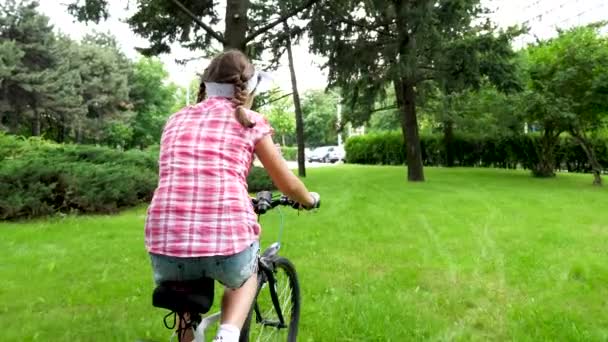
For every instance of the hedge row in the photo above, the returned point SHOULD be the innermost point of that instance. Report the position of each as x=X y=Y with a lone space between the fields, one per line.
x=500 y=152
x=42 y=186
x=40 y=178
x=289 y=153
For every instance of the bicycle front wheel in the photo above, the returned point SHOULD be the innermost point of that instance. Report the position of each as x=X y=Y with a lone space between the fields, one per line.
x=276 y=311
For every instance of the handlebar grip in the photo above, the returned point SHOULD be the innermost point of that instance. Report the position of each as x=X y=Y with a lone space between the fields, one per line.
x=264 y=200
x=315 y=205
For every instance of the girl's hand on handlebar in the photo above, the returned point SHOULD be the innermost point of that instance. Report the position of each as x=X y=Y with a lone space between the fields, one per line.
x=316 y=202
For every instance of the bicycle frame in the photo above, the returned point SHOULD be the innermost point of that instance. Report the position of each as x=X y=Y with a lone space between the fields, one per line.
x=265 y=275
x=262 y=203
x=201 y=328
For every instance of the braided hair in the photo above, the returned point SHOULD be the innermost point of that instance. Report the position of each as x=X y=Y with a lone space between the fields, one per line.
x=231 y=67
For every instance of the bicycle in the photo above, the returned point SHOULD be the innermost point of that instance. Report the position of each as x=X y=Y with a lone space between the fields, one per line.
x=276 y=307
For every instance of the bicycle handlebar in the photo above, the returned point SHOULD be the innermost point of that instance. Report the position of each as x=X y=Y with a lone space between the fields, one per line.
x=264 y=201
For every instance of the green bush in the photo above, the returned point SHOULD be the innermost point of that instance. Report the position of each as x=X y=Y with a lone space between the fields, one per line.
x=289 y=153
x=258 y=180
x=101 y=155
x=571 y=156
x=386 y=148
x=472 y=151
x=12 y=146
x=39 y=178
x=42 y=186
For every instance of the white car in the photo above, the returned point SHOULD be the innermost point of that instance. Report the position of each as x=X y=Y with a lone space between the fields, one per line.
x=326 y=154
x=337 y=154
x=307 y=152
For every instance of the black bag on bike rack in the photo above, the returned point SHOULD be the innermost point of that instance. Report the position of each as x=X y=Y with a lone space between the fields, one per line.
x=185 y=296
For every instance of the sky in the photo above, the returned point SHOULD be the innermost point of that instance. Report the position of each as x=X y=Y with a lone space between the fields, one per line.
x=542 y=16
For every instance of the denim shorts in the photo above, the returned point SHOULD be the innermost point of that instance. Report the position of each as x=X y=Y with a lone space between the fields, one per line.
x=230 y=270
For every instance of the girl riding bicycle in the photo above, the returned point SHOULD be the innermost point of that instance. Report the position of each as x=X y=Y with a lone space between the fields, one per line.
x=201 y=221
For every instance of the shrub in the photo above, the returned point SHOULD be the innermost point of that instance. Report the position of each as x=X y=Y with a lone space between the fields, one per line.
x=386 y=148
x=39 y=178
x=42 y=186
x=472 y=151
x=12 y=146
x=259 y=180
x=289 y=153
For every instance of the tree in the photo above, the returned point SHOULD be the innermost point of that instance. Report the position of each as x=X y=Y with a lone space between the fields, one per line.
x=65 y=104
x=320 y=118
x=27 y=39
x=190 y=23
x=545 y=113
x=479 y=56
x=403 y=43
x=482 y=110
x=10 y=57
x=281 y=118
x=40 y=88
x=104 y=72
x=486 y=111
x=569 y=85
x=384 y=116
x=152 y=100
x=384 y=120
x=184 y=96
x=89 y=91
x=296 y=101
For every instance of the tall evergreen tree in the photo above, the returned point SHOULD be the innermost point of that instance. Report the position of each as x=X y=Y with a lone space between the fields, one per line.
x=372 y=44
x=104 y=73
x=27 y=65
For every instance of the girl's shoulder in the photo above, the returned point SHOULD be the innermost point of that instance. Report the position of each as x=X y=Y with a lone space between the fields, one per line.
x=256 y=117
x=261 y=126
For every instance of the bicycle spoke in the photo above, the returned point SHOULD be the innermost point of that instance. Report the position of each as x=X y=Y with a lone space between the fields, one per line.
x=265 y=331
x=286 y=298
x=271 y=332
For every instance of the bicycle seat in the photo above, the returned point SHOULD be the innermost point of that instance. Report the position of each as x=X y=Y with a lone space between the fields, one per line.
x=193 y=296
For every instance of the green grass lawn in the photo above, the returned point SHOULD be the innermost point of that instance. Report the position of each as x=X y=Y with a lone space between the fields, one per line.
x=472 y=254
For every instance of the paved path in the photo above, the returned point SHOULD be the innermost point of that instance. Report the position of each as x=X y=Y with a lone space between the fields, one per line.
x=294 y=165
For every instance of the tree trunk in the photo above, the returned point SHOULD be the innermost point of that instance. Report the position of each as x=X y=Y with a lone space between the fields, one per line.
x=545 y=167
x=298 y=108
x=36 y=122
x=13 y=120
x=596 y=168
x=2 y=114
x=448 y=131
x=63 y=129
x=406 y=99
x=78 y=135
x=448 y=141
x=61 y=134
x=236 y=24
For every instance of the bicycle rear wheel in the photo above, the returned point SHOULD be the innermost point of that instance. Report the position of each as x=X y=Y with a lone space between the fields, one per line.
x=264 y=323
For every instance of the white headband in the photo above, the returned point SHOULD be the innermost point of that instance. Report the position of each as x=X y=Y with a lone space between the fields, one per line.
x=259 y=82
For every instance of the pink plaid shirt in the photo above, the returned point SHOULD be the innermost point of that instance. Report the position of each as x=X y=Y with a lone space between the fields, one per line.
x=201 y=206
